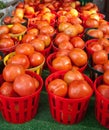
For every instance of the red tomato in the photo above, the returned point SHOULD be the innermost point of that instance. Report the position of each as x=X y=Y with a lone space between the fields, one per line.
x=11 y=71
x=4 y=29
x=104 y=28
x=104 y=90
x=6 y=43
x=92 y=23
x=104 y=42
x=106 y=66
x=62 y=53
x=99 y=68
x=41 y=23
x=36 y=59
x=72 y=75
x=24 y=85
x=36 y=83
x=65 y=45
x=38 y=44
x=58 y=87
x=100 y=57
x=77 y=42
x=78 y=57
x=28 y=37
x=33 y=31
x=5 y=36
x=106 y=77
x=24 y=48
x=20 y=59
x=79 y=89
x=62 y=63
x=6 y=89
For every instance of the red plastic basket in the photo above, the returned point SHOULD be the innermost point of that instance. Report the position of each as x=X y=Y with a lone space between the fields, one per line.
x=10 y=49
x=50 y=67
x=21 y=109
x=64 y=110
x=101 y=105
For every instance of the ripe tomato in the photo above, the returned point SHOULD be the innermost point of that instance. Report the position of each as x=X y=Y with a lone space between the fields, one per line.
x=41 y=23
x=99 y=68
x=24 y=48
x=28 y=37
x=33 y=31
x=79 y=89
x=104 y=42
x=6 y=43
x=5 y=36
x=65 y=45
x=72 y=75
x=61 y=37
x=106 y=77
x=20 y=59
x=24 y=85
x=4 y=29
x=58 y=87
x=38 y=44
x=104 y=90
x=77 y=42
x=6 y=89
x=36 y=59
x=92 y=23
x=100 y=57
x=104 y=28
x=62 y=63
x=62 y=53
x=78 y=57
x=11 y=71
x=106 y=66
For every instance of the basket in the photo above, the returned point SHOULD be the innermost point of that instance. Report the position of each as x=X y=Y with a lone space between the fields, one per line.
x=10 y=49
x=37 y=69
x=64 y=110
x=101 y=105
x=50 y=67
x=21 y=109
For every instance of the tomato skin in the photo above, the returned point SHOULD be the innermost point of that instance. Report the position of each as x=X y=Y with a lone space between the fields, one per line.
x=104 y=90
x=4 y=29
x=24 y=48
x=36 y=59
x=28 y=37
x=65 y=45
x=79 y=89
x=20 y=59
x=33 y=31
x=78 y=57
x=6 y=42
x=24 y=85
x=58 y=87
x=106 y=77
x=71 y=75
x=106 y=66
x=100 y=57
x=6 y=89
x=62 y=63
x=11 y=71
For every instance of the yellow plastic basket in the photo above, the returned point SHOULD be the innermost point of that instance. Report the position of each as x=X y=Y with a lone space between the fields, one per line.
x=37 y=69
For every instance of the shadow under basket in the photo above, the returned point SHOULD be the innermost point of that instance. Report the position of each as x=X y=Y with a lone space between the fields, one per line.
x=21 y=109
x=66 y=110
x=101 y=105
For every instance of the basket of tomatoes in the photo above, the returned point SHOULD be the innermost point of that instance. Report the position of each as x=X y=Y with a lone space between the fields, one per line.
x=101 y=87
x=69 y=94
x=19 y=93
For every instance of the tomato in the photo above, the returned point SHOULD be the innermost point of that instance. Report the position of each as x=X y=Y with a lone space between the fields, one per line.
x=38 y=44
x=24 y=85
x=100 y=57
x=62 y=53
x=20 y=59
x=45 y=38
x=4 y=29
x=65 y=45
x=106 y=66
x=106 y=77
x=92 y=23
x=104 y=90
x=7 y=20
x=58 y=87
x=24 y=48
x=78 y=57
x=11 y=71
x=6 y=89
x=63 y=25
x=5 y=35
x=41 y=23
x=96 y=33
x=79 y=28
x=61 y=37
x=72 y=75
x=33 y=31
x=104 y=42
x=62 y=63
x=36 y=83
x=36 y=59
x=48 y=30
x=28 y=37
x=99 y=68
x=77 y=42
x=104 y=28
x=94 y=46
x=75 y=20
x=6 y=43
x=79 y=89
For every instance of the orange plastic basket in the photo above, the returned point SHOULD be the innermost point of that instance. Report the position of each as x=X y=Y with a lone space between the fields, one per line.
x=21 y=109
x=101 y=105
x=65 y=110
